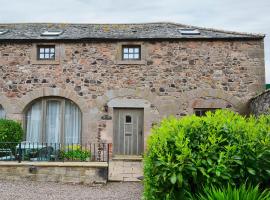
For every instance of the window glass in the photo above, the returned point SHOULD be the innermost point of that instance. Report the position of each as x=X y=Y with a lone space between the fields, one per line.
x=128 y=119
x=46 y=52
x=131 y=53
x=53 y=121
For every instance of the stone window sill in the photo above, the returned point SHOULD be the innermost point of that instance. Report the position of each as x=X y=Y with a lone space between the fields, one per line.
x=45 y=62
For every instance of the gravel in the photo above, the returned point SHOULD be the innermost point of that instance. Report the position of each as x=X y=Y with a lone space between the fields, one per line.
x=28 y=190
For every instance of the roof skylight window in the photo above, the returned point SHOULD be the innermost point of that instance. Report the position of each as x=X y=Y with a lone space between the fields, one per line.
x=2 y=32
x=51 y=33
x=189 y=31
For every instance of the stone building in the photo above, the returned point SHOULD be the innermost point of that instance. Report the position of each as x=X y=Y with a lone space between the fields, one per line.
x=77 y=83
x=260 y=104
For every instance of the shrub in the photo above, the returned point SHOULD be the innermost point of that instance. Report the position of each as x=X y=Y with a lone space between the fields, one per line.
x=232 y=193
x=187 y=154
x=75 y=153
x=11 y=133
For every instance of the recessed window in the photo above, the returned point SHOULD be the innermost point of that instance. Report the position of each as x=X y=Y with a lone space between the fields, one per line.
x=53 y=120
x=189 y=31
x=51 y=33
x=2 y=113
x=128 y=119
x=202 y=111
x=46 y=52
x=131 y=52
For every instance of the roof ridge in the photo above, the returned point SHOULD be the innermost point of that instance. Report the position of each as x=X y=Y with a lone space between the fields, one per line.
x=141 y=23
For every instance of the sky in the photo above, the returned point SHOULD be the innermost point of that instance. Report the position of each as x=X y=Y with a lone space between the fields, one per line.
x=235 y=15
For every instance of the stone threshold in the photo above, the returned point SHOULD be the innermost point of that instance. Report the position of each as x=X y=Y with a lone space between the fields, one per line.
x=55 y=164
x=127 y=157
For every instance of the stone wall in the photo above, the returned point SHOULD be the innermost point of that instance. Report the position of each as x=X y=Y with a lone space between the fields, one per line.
x=260 y=104
x=174 y=78
x=75 y=173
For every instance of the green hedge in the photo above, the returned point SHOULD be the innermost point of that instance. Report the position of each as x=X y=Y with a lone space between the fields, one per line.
x=232 y=193
x=184 y=155
x=10 y=131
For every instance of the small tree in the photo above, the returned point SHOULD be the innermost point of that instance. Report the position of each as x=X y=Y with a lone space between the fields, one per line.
x=10 y=132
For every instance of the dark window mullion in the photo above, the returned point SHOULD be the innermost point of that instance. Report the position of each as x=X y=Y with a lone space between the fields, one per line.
x=44 y=120
x=62 y=120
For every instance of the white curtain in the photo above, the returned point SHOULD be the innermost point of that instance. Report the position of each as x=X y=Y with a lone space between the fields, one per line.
x=72 y=123
x=34 y=123
x=53 y=121
x=2 y=113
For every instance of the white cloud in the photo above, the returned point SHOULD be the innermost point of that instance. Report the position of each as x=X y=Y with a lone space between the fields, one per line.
x=240 y=15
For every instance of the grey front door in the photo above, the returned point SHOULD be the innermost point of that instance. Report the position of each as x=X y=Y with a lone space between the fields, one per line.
x=128 y=131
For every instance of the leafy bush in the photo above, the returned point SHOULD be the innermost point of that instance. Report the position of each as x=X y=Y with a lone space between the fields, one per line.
x=233 y=193
x=187 y=154
x=75 y=153
x=11 y=133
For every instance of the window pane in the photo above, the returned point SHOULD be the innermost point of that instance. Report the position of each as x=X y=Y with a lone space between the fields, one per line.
x=125 y=56
x=34 y=123
x=128 y=119
x=130 y=56
x=52 y=50
x=51 y=56
x=72 y=123
x=136 y=50
x=47 y=50
x=41 y=56
x=125 y=50
x=41 y=50
x=46 y=56
x=53 y=121
x=136 y=56
x=131 y=50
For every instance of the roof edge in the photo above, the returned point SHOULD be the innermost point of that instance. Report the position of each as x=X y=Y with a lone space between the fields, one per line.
x=258 y=35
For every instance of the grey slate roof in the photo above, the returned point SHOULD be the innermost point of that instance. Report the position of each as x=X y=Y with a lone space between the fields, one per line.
x=33 y=31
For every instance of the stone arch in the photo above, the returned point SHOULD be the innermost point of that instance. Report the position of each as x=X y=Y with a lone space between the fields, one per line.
x=191 y=96
x=5 y=103
x=53 y=92
x=69 y=94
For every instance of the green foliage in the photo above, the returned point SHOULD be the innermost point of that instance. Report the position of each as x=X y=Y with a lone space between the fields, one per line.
x=233 y=193
x=75 y=153
x=184 y=155
x=11 y=133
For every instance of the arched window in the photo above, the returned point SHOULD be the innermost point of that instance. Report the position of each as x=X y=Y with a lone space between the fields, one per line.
x=2 y=112
x=53 y=120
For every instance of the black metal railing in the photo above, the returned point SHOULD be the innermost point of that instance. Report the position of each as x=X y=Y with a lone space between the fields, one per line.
x=33 y=151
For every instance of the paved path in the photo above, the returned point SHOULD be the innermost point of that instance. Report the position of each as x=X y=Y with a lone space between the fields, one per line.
x=27 y=190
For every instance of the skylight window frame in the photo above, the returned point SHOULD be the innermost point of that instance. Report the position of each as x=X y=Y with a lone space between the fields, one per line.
x=50 y=33
x=3 y=32
x=190 y=31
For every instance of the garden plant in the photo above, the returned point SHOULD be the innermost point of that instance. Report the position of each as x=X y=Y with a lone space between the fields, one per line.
x=187 y=155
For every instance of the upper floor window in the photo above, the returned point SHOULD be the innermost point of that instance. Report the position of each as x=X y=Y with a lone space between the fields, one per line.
x=131 y=52
x=46 y=52
x=202 y=111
